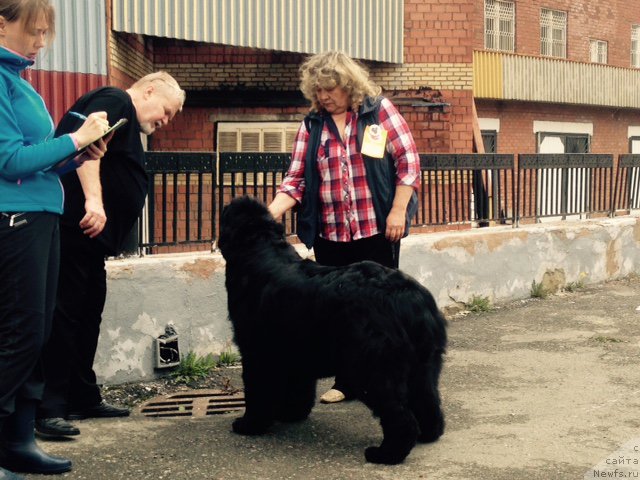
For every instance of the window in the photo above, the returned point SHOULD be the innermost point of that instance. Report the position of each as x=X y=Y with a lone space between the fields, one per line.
x=490 y=141
x=598 y=51
x=635 y=46
x=563 y=143
x=553 y=33
x=499 y=25
x=256 y=137
x=271 y=137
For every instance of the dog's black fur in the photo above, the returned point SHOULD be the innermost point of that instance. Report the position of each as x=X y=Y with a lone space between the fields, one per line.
x=296 y=321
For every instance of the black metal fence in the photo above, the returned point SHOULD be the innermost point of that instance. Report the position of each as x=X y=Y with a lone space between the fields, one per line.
x=466 y=188
x=560 y=186
x=188 y=189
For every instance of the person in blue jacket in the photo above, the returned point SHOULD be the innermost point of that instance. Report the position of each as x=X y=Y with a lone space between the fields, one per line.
x=31 y=200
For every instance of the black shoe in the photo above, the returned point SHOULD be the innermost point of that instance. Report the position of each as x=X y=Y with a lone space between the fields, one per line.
x=7 y=475
x=102 y=410
x=28 y=457
x=55 y=427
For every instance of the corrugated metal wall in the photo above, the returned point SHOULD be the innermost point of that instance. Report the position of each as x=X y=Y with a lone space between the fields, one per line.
x=366 y=29
x=77 y=60
x=542 y=79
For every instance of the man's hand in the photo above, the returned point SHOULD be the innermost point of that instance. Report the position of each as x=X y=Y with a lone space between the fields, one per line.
x=95 y=219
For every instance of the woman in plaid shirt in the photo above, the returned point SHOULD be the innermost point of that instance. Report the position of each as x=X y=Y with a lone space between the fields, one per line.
x=354 y=170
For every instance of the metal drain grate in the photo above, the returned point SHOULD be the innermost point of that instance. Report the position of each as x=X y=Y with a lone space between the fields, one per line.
x=194 y=403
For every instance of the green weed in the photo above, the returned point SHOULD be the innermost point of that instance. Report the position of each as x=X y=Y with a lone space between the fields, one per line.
x=479 y=304
x=577 y=285
x=537 y=290
x=193 y=367
x=228 y=358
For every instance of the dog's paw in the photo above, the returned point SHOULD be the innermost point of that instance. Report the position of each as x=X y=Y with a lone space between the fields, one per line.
x=244 y=426
x=433 y=433
x=378 y=455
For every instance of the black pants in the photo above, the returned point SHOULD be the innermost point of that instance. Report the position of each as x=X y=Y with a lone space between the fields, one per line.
x=29 y=260
x=70 y=382
x=377 y=249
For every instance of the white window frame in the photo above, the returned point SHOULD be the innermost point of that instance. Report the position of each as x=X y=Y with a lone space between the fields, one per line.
x=499 y=25
x=635 y=46
x=254 y=137
x=598 y=51
x=258 y=130
x=553 y=33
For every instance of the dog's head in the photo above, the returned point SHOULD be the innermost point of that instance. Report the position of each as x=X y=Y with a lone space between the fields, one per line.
x=246 y=222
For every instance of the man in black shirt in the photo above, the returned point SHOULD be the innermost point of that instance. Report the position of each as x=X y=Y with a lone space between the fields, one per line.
x=103 y=199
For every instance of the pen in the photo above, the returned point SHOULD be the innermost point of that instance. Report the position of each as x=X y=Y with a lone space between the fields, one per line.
x=78 y=115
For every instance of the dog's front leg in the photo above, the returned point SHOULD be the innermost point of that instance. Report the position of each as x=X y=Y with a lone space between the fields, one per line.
x=259 y=409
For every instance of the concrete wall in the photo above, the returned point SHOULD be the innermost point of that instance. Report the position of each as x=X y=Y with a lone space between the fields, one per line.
x=145 y=294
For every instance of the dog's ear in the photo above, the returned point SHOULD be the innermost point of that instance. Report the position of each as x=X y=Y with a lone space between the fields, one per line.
x=245 y=221
x=246 y=207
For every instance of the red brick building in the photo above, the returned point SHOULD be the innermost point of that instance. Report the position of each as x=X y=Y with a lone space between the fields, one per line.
x=552 y=76
x=505 y=76
x=564 y=74
x=545 y=76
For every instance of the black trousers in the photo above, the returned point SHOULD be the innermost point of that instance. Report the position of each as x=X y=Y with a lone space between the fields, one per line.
x=29 y=260
x=377 y=249
x=70 y=382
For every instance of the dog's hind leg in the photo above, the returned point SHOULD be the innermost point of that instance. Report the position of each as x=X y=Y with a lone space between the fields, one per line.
x=400 y=430
x=424 y=401
x=399 y=425
x=296 y=399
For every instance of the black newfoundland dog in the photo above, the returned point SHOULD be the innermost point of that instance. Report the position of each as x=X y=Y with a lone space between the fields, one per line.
x=296 y=321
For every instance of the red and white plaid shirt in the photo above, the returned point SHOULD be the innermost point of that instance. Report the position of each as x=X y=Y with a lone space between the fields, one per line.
x=345 y=202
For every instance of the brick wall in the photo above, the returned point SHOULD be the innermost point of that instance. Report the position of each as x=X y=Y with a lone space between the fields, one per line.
x=435 y=63
x=588 y=19
x=130 y=58
x=516 y=124
x=425 y=22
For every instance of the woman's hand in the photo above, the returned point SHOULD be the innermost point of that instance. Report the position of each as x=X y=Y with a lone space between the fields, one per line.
x=395 y=224
x=92 y=129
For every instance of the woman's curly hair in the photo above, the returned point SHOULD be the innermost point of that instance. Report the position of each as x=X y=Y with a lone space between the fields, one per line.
x=336 y=69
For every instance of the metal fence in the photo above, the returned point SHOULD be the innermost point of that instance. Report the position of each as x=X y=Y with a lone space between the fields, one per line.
x=627 y=184
x=188 y=190
x=466 y=188
x=180 y=211
x=561 y=186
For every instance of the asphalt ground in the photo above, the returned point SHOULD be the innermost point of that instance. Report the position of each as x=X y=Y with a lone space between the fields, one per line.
x=535 y=389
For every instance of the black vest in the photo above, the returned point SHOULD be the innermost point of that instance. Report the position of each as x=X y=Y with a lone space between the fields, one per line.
x=381 y=176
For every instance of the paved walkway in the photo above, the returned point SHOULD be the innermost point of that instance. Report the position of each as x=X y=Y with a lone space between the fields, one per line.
x=539 y=389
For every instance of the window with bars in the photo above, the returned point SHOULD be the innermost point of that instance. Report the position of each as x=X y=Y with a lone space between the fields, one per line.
x=553 y=33
x=635 y=46
x=598 y=51
x=256 y=137
x=499 y=25
x=270 y=137
x=490 y=141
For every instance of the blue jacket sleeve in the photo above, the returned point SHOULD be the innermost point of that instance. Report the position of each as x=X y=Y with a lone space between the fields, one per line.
x=18 y=159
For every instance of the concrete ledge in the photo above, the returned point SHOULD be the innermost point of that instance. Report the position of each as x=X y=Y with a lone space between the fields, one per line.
x=187 y=290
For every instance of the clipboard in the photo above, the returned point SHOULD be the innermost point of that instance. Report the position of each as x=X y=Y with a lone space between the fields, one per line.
x=67 y=164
